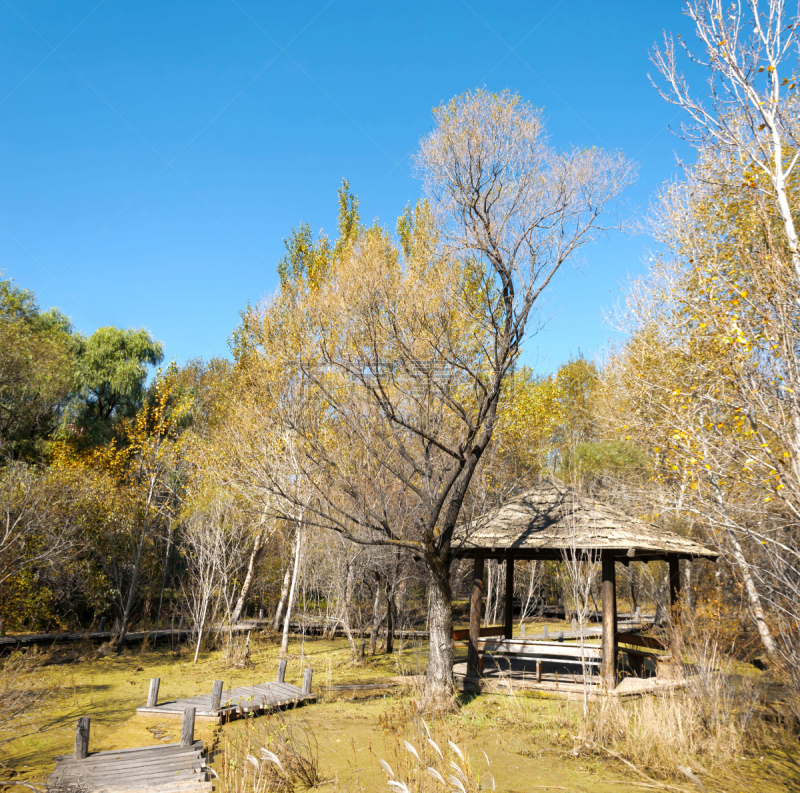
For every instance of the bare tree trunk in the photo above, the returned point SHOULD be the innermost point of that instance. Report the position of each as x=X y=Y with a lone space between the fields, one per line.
x=199 y=638
x=255 y=555
x=439 y=688
x=164 y=577
x=276 y=621
x=292 y=590
x=126 y=613
x=753 y=598
x=376 y=617
x=487 y=614
x=389 y=618
x=344 y=611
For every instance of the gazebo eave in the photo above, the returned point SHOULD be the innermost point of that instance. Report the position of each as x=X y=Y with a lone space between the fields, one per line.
x=622 y=555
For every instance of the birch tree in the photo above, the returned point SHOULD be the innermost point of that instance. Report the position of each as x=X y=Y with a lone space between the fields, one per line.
x=749 y=50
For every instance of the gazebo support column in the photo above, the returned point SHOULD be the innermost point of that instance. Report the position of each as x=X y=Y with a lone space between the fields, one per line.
x=675 y=611
x=509 y=603
x=475 y=603
x=609 y=621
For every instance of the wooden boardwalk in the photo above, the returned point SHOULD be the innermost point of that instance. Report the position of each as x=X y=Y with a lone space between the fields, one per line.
x=220 y=705
x=172 y=768
x=169 y=768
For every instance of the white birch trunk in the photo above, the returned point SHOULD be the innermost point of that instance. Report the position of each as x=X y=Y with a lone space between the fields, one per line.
x=292 y=590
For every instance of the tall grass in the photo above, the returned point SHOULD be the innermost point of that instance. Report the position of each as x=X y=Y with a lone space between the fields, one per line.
x=270 y=758
x=715 y=717
x=428 y=763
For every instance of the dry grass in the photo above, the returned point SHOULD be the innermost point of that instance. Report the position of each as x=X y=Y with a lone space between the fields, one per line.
x=424 y=760
x=715 y=719
x=236 y=653
x=278 y=759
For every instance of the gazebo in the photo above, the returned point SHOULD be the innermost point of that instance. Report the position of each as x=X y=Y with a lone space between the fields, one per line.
x=553 y=521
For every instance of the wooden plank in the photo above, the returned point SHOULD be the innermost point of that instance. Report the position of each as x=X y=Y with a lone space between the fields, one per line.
x=195 y=761
x=562 y=660
x=101 y=773
x=189 y=759
x=282 y=689
x=537 y=643
x=114 y=752
x=129 y=776
x=177 y=785
x=536 y=649
x=125 y=780
x=283 y=692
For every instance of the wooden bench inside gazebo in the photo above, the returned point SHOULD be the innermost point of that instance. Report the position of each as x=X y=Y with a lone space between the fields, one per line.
x=553 y=521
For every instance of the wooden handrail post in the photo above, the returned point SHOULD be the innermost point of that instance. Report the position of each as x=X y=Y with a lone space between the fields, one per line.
x=281 y=670
x=82 y=737
x=187 y=727
x=307 y=680
x=152 y=694
x=216 y=695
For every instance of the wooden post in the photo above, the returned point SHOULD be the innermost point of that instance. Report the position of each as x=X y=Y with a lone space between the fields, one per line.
x=187 y=727
x=609 y=621
x=82 y=738
x=538 y=671
x=216 y=695
x=307 y=680
x=675 y=610
x=475 y=603
x=509 y=604
x=152 y=694
x=281 y=670
x=102 y=623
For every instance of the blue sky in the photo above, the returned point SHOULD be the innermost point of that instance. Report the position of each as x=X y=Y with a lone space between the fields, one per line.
x=151 y=166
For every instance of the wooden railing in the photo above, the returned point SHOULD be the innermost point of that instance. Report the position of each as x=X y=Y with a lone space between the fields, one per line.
x=649 y=642
x=462 y=634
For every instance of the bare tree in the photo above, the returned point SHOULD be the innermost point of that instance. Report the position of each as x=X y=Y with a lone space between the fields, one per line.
x=405 y=352
x=36 y=524
x=200 y=586
x=579 y=568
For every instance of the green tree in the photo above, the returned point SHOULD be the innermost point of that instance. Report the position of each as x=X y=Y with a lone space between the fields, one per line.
x=37 y=358
x=111 y=372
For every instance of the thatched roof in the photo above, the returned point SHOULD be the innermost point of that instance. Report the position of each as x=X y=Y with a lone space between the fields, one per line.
x=552 y=517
